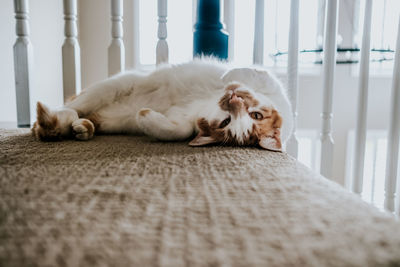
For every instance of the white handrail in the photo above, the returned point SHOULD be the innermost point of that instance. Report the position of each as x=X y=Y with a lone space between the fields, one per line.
x=361 y=129
x=71 y=57
x=329 y=64
x=22 y=63
x=292 y=72
x=392 y=158
x=116 y=50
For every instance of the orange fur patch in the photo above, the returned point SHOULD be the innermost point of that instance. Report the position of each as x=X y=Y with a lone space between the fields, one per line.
x=34 y=129
x=144 y=112
x=45 y=118
x=269 y=127
x=96 y=120
x=273 y=121
x=89 y=127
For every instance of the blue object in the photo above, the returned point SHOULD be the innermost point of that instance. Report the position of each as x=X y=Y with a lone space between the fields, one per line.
x=209 y=37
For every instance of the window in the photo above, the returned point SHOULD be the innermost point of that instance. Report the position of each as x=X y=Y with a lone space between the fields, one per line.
x=276 y=30
x=385 y=17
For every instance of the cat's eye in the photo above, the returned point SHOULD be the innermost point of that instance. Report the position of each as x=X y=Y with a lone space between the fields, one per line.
x=256 y=115
x=225 y=122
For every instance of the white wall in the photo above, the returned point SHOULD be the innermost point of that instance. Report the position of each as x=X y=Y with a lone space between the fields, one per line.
x=94 y=37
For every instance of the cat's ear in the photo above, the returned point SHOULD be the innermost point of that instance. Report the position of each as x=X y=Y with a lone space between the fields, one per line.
x=204 y=137
x=272 y=143
x=202 y=140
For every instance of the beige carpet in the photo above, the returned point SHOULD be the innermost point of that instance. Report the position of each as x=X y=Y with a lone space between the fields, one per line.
x=131 y=201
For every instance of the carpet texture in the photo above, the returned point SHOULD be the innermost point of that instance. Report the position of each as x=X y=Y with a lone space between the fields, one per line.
x=132 y=201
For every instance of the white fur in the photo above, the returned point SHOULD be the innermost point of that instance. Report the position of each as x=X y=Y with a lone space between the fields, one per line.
x=174 y=97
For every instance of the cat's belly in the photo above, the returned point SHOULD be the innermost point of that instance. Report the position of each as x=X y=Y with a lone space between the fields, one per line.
x=119 y=118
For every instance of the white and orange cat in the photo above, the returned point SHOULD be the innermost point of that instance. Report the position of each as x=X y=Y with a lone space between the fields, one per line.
x=203 y=99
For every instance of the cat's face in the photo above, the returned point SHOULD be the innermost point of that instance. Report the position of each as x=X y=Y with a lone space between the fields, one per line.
x=243 y=117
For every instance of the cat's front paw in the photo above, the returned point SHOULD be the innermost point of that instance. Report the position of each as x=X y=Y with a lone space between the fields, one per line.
x=83 y=129
x=144 y=111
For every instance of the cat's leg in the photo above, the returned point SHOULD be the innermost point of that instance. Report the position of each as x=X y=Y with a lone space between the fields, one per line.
x=74 y=120
x=104 y=93
x=170 y=127
x=63 y=123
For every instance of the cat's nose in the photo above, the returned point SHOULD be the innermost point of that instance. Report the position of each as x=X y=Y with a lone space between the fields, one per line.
x=236 y=105
x=235 y=99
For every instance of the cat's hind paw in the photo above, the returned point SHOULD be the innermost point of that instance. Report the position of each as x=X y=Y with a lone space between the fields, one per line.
x=157 y=125
x=147 y=117
x=151 y=122
x=83 y=129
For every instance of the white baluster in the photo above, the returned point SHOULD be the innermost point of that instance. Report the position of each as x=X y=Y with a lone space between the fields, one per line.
x=116 y=50
x=329 y=74
x=229 y=20
x=361 y=129
x=23 y=60
x=258 y=46
x=135 y=18
x=162 y=45
x=194 y=11
x=392 y=158
x=292 y=72
x=71 y=52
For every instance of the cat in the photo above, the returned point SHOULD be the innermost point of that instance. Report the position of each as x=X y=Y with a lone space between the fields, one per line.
x=204 y=99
